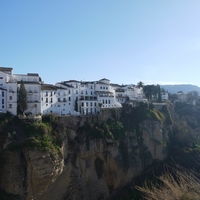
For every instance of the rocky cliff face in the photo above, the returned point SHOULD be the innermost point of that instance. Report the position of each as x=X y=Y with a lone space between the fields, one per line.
x=85 y=168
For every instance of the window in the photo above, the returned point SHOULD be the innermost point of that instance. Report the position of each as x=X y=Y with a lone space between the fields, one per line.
x=106 y=88
x=2 y=93
x=103 y=101
x=82 y=104
x=51 y=100
x=35 y=105
x=95 y=104
x=46 y=104
x=10 y=105
x=69 y=91
x=2 y=106
x=109 y=101
x=46 y=100
x=86 y=92
x=91 y=87
x=69 y=98
x=58 y=99
x=1 y=77
x=76 y=91
x=91 y=92
x=10 y=97
x=90 y=103
x=100 y=87
x=86 y=103
x=46 y=93
x=2 y=101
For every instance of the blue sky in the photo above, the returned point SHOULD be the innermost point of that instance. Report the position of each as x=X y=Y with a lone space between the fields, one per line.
x=126 y=41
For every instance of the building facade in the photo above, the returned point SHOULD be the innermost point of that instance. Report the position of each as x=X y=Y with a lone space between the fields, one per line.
x=64 y=98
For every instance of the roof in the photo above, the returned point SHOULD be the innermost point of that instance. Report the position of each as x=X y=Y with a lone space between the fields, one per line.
x=71 y=81
x=29 y=82
x=115 y=85
x=6 y=68
x=32 y=74
x=65 y=84
x=48 y=87
x=99 y=82
x=87 y=82
x=51 y=87
x=104 y=79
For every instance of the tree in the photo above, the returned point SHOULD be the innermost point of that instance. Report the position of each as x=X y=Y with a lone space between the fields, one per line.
x=22 y=98
x=159 y=94
x=192 y=96
x=149 y=91
x=173 y=97
x=140 y=84
x=76 y=105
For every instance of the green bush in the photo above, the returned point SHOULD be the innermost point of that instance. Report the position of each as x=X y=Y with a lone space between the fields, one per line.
x=40 y=137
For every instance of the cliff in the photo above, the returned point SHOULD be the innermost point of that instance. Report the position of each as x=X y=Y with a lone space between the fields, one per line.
x=95 y=155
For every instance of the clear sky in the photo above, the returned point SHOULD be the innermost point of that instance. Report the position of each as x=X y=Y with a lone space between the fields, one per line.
x=126 y=41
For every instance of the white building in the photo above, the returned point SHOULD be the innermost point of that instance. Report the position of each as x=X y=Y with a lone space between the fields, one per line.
x=164 y=96
x=182 y=97
x=126 y=93
x=106 y=94
x=64 y=98
x=71 y=94
x=11 y=82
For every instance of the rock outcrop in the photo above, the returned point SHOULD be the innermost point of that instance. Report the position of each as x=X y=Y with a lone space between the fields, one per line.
x=85 y=168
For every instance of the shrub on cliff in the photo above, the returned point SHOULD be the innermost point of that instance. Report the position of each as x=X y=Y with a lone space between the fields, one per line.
x=40 y=137
x=132 y=116
x=110 y=129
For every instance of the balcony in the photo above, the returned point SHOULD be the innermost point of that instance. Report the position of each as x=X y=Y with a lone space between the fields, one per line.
x=88 y=98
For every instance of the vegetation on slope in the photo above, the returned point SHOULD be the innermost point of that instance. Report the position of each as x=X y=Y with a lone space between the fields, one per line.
x=110 y=129
x=44 y=135
x=177 y=184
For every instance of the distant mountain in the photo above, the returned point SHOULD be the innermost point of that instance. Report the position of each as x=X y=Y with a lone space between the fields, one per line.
x=185 y=88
